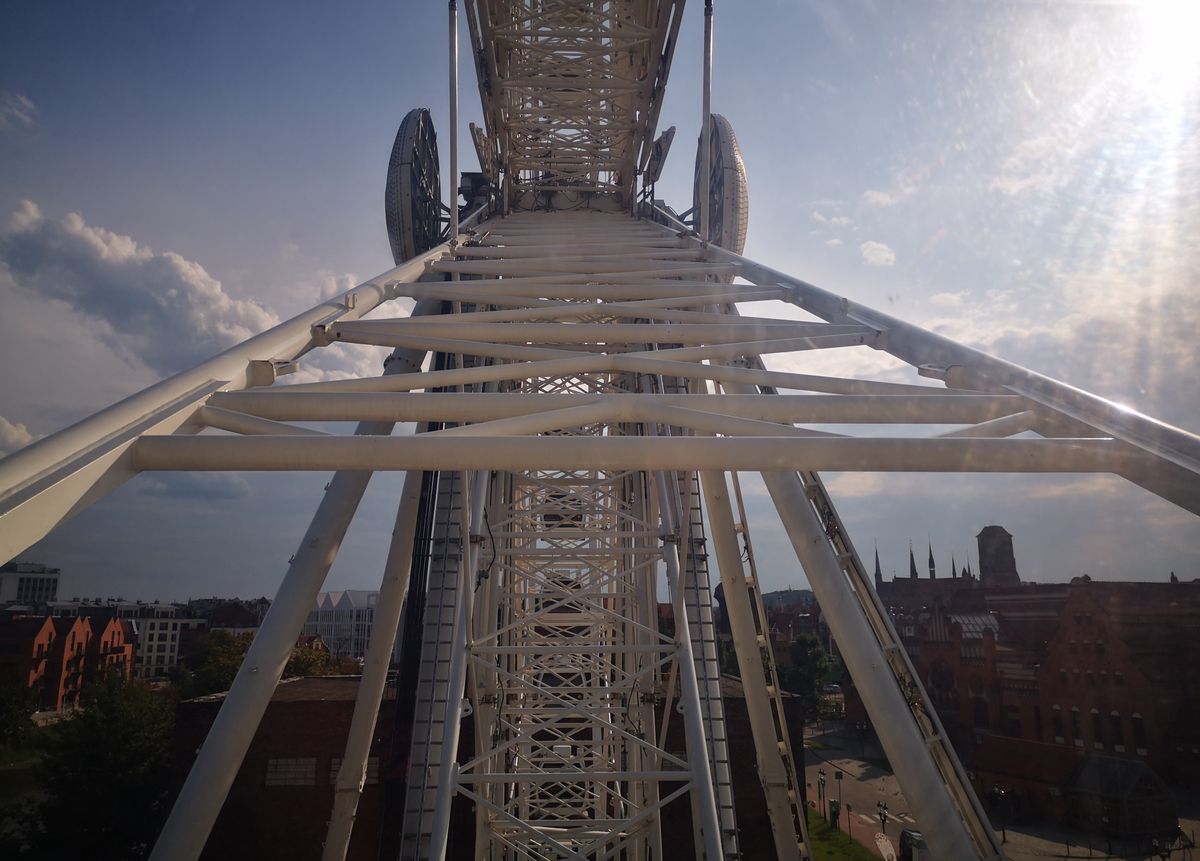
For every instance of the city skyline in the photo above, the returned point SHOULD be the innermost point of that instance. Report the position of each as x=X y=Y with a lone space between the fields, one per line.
x=1013 y=176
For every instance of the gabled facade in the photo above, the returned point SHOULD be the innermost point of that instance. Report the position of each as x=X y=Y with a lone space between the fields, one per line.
x=25 y=646
x=111 y=648
x=68 y=659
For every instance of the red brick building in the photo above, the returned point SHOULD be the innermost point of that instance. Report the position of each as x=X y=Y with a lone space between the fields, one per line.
x=1053 y=692
x=49 y=653
x=68 y=659
x=25 y=645
x=280 y=801
x=111 y=647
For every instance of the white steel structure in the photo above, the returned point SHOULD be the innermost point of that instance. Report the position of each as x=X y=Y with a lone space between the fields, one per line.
x=584 y=386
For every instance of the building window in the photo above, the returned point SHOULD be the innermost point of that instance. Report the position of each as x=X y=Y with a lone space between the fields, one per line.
x=298 y=771
x=1097 y=730
x=1104 y=677
x=1117 y=731
x=1059 y=734
x=1012 y=721
x=1074 y=647
x=1062 y=676
x=1099 y=647
x=1139 y=733
x=372 y=769
x=1076 y=727
x=1119 y=677
x=1091 y=678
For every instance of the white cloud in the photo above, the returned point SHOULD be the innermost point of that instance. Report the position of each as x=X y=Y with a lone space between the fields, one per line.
x=1034 y=164
x=339 y=362
x=819 y=217
x=948 y=300
x=841 y=220
x=16 y=111
x=13 y=436
x=331 y=285
x=195 y=485
x=833 y=243
x=855 y=485
x=877 y=254
x=160 y=308
x=872 y=197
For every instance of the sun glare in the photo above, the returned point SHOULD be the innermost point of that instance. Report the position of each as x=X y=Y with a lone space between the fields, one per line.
x=1169 y=59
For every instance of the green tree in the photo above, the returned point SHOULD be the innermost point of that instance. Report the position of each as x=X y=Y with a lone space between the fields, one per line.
x=805 y=675
x=211 y=664
x=103 y=775
x=309 y=662
x=17 y=705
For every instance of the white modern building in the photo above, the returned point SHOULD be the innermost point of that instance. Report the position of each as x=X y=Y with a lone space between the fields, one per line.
x=28 y=583
x=343 y=619
x=160 y=629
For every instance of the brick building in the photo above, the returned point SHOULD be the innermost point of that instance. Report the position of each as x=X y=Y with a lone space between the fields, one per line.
x=1059 y=693
x=64 y=676
x=25 y=646
x=111 y=648
x=280 y=801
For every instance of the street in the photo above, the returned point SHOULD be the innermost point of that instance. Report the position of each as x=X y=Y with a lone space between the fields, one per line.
x=865 y=784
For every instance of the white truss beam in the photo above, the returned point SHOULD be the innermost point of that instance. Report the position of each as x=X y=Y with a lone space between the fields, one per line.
x=559 y=653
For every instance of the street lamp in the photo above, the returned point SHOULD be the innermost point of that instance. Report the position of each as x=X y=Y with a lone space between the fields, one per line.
x=999 y=796
x=883 y=816
x=821 y=792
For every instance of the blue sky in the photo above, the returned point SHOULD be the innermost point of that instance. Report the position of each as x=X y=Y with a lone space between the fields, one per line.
x=1017 y=175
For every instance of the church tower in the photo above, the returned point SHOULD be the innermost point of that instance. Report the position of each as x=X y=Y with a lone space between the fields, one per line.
x=997 y=565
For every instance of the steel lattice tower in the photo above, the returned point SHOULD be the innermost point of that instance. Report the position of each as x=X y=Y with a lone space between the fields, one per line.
x=586 y=394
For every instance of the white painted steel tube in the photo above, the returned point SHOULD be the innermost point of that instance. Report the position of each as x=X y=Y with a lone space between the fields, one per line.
x=584 y=333
x=771 y=771
x=453 y=9
x=203 y=794
x=706 y=124
x=237 y=422
x=931 y=805
x=283 y=406
x=207 y=784
x=970 y=368
x=386 y=621
x=860 y=454
x=704 y=798
x=447 y=780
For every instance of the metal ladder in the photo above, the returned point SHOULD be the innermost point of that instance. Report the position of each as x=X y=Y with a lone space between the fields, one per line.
x=441 y=608
x=697 y=599
x=762 y=630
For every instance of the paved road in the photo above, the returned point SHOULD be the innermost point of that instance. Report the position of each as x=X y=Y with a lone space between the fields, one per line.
x=864 y=785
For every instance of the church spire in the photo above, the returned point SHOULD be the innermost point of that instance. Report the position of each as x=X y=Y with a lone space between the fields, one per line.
x=878 y=573
x=912 y=562
x=953 y=566
x=932 y=566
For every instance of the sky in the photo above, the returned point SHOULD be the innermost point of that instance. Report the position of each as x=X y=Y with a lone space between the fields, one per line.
x=1018 y=176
